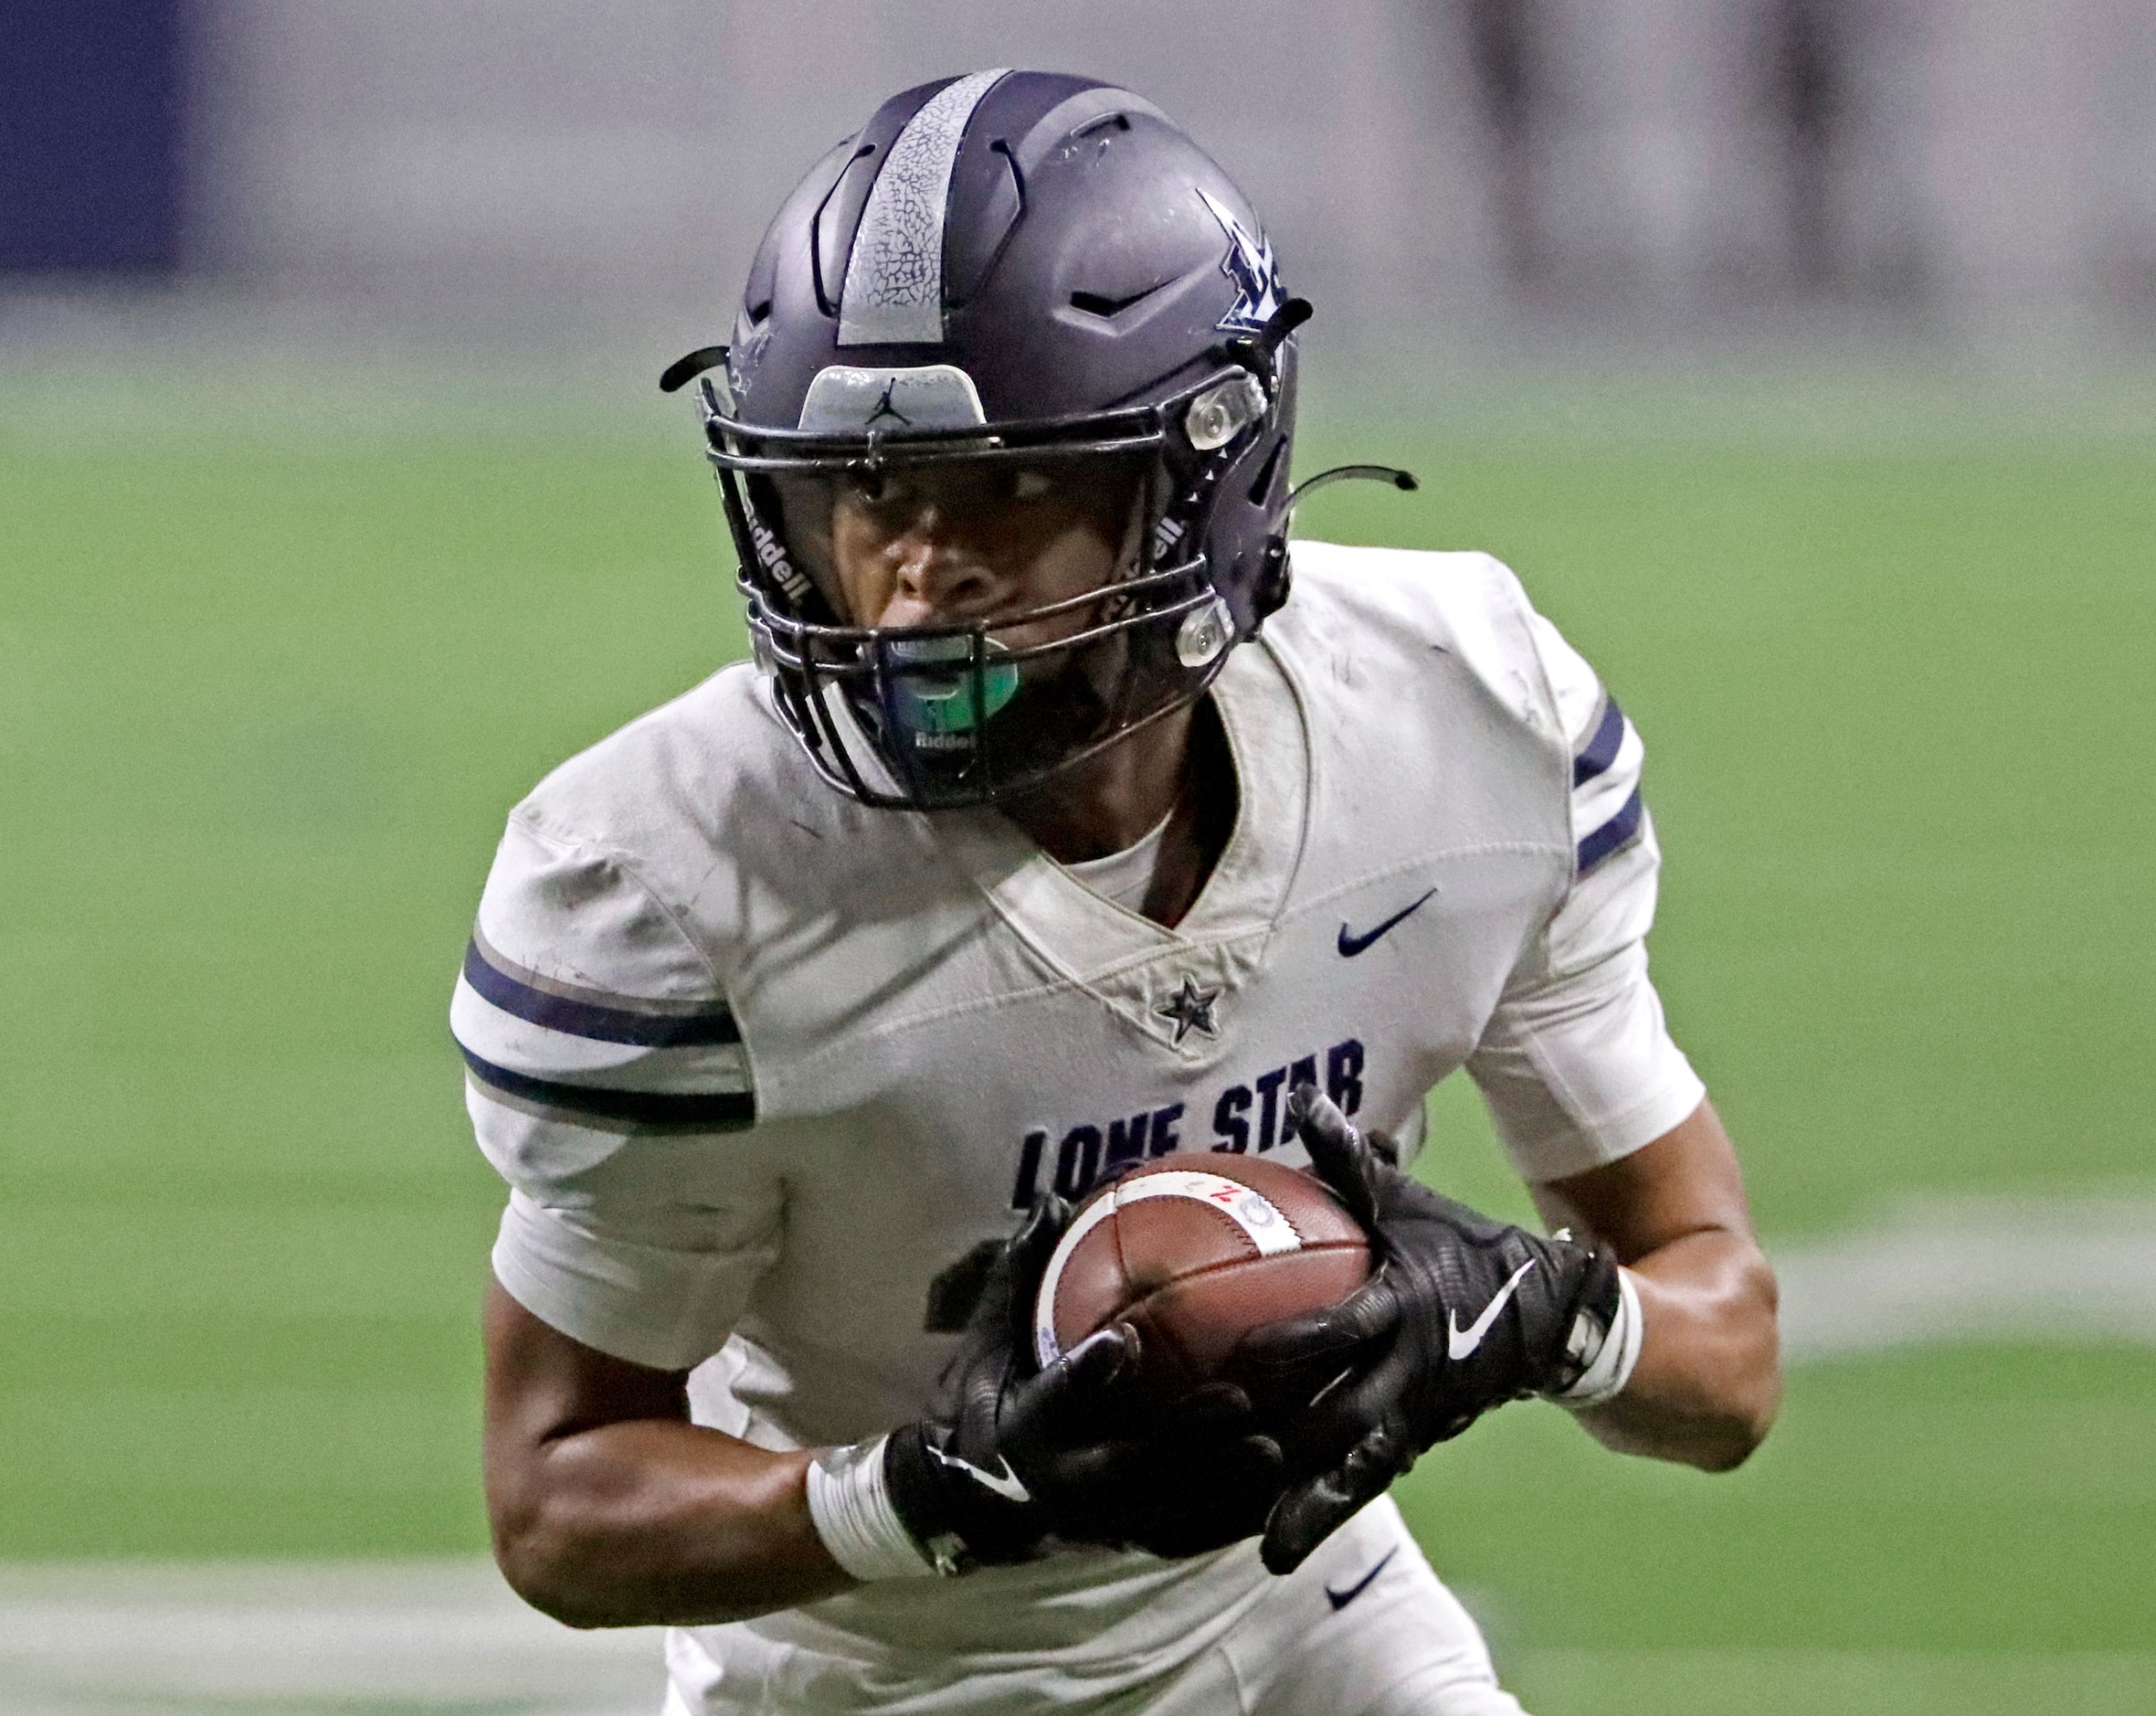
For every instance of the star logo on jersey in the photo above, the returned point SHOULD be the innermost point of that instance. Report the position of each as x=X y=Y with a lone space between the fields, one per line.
x=1191 y=1008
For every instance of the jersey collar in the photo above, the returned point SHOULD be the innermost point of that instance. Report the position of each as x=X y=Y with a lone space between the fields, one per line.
x=1094 y=942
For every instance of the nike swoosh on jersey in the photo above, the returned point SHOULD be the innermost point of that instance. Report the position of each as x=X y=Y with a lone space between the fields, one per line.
x=1341 y=1599
x=1461 y=1343
x=1005 y=1483
x=1351 y=944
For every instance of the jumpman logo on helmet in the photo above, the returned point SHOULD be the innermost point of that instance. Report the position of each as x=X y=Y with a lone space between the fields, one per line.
x=885 y=409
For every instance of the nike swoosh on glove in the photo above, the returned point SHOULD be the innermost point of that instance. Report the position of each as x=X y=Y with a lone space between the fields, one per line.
x=1014 y=1459
x=1461 y=1314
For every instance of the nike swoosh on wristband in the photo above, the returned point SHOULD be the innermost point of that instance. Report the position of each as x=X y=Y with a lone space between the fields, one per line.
x=1005 y=1483
x=1341 y=1599
x=1461 y=1343
x=1351 y=944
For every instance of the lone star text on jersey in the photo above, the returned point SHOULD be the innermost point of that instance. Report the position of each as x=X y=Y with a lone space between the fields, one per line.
x=1250 y=1115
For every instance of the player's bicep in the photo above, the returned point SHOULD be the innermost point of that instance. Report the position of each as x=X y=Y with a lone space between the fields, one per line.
x=544 y=1388
x=541 y=1384
x=1684 y=1181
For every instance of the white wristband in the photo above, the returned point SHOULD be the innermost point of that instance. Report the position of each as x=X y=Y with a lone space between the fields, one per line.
x=1610 y=1368
x=850 y=1504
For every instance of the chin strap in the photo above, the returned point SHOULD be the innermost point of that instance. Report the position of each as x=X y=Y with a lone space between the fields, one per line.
x=1402 y=480
x=1271 y=585
x=684 y=370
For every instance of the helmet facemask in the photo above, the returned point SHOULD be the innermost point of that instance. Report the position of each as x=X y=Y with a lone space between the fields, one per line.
x=983 y=709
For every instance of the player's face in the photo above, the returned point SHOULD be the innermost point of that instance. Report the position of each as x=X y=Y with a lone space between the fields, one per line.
x=956 y=543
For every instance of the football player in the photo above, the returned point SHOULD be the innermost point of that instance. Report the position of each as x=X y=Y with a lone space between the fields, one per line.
x=1067 y=818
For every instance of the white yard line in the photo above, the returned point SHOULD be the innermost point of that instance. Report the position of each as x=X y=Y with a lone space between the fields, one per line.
x=1974 y=1268
x=269 y=1639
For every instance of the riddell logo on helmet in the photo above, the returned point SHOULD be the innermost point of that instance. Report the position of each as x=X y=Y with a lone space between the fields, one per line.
x=771 y=555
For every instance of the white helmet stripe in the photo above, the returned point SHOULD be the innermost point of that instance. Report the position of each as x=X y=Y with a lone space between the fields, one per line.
x=893 y=291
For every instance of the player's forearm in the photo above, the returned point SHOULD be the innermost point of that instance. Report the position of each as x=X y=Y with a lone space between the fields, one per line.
x=653 y=1522
x=1708 y=1378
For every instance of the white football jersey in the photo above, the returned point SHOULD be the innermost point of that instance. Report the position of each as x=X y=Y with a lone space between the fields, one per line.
x=759 y=1064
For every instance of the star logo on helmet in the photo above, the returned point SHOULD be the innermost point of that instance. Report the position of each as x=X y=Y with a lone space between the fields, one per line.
x=1250 y=265
x=1191 y=1009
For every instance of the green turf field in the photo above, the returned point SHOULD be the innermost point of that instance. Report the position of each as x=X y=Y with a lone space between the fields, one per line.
x=265 y=697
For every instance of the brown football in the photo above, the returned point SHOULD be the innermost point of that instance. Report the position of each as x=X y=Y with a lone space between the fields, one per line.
x=1194 y=1251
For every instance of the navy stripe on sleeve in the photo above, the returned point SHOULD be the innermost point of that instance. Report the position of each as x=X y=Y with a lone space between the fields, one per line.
x=1612 y=834
x=1602 y=746
x=718 y=1111
x=592 y=1019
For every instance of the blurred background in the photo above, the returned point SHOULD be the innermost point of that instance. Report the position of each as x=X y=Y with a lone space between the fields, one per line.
x=1439 y=171
x=1801 y=354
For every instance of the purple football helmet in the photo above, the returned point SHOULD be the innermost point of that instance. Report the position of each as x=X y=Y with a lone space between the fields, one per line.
x=1028 y=269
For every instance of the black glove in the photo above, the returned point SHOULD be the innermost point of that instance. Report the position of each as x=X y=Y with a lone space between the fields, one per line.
x=1461 y=1314
x=1013 y=1456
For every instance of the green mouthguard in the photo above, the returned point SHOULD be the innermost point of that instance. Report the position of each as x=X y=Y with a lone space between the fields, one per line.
x=944 y=702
